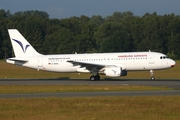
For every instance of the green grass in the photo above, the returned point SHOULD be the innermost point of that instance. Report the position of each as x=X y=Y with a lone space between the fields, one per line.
x=4 y=89
x=13 y=71
x=91 y=108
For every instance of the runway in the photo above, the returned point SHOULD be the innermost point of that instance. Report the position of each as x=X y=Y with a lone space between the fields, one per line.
x=164 y=83
x=93 y=94
x=159 y=82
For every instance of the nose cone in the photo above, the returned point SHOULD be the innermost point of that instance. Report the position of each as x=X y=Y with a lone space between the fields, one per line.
x=173 y=63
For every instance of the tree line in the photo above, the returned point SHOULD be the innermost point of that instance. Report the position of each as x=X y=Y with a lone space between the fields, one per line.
x=119 y=32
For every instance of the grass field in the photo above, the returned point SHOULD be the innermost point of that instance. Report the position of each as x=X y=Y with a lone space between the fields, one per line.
x=91 y=108
x=13 y=71
x=13 y=89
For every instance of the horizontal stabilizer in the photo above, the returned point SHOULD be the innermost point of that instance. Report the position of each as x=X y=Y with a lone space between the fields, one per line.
x=16 y=61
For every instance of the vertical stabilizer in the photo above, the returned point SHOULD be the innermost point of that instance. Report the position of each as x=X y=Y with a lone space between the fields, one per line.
x=20 y=45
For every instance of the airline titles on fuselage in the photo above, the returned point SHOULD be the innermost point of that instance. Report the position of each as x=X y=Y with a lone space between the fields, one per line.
x=133 y=55
x=54 y=61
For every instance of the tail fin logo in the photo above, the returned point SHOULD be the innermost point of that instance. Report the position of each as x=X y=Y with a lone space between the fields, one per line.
x=24 y=48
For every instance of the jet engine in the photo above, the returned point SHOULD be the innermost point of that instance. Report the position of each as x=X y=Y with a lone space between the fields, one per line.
x=115 y=72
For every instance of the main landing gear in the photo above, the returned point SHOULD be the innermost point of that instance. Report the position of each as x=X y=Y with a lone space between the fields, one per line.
x=95 y=77
x=152 y=75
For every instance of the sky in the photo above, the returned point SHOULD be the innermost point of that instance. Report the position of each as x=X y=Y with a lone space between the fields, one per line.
x=68 y=8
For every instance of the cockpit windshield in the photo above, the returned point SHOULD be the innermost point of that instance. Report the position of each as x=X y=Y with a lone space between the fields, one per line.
x=163 y=57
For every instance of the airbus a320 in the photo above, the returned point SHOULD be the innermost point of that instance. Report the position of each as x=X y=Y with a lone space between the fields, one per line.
x=111 y=64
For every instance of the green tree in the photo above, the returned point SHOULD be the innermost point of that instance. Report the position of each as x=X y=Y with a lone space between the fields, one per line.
x=112 y=37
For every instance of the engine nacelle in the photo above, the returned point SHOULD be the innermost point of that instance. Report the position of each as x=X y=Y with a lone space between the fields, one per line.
x=115 y=72
x=83 y=70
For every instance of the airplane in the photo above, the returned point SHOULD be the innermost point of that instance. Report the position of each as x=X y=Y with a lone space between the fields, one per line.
x=111 y=64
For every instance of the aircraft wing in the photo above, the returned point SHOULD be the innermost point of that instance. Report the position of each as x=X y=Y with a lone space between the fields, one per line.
x=89 y=66
x=95 y=67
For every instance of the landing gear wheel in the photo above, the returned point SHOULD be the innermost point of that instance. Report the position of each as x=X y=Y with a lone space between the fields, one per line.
x=97 y=77
x=92 y=78
x=152 y=78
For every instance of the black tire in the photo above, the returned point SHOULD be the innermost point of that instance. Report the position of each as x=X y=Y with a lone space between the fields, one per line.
x=97 y=77
x=92 y=78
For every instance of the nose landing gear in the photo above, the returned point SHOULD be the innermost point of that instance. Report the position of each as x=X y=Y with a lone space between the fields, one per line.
x=152 y=75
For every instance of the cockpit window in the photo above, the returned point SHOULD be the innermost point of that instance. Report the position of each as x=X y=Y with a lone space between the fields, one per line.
x=163 y=57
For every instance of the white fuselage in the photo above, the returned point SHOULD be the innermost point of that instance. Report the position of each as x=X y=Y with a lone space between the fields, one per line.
x=130 y=61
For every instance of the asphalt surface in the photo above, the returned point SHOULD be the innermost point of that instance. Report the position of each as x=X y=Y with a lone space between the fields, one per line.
x=168 y=82
x=93 y=94
x=165 y=83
